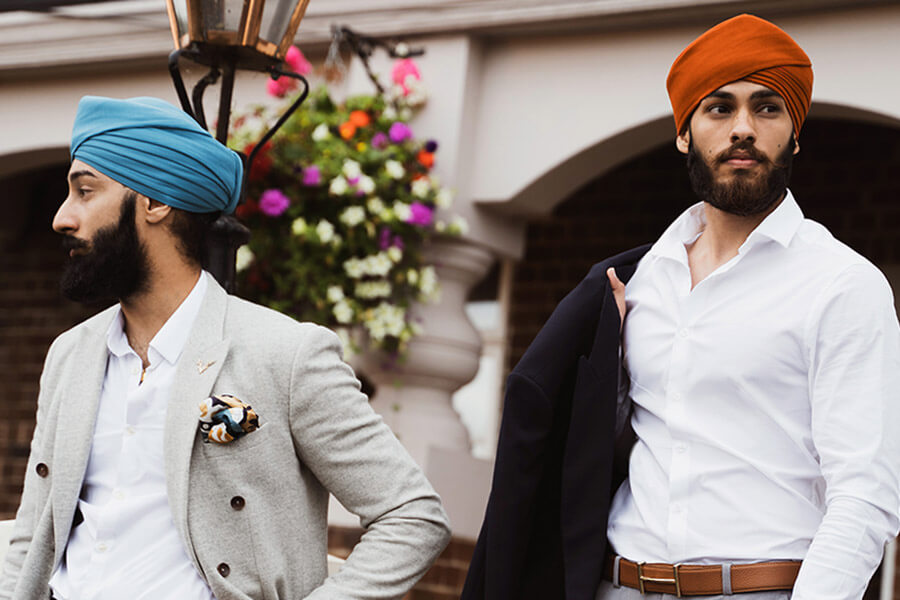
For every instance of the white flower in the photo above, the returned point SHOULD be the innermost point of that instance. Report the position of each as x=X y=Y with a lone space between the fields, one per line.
x=325 y=231
x=416 y=94
x=405 y=114
x=412 y=276
x=321 y=133
x=402 y=211
x=366 y=184
x=386 y=320
x=343 y=312
x=428 y=283
x=375 y=205
x=353 y=267
x=458 y=225
x=377 y=264
x=338 y=186
x=440 y=226
x=421 y=187
x=394 y=169
x=351 y=169
x=401 y=49
x=244 y=259
x=395 y=253
x=353 y=215
x=389 y=113
x=346 y=342
x=335 y=293
x=298 y=227
x=336 y=241
x=372 y=289
x=444 y=198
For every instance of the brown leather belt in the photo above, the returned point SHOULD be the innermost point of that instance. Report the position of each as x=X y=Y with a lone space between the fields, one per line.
x=703 y=580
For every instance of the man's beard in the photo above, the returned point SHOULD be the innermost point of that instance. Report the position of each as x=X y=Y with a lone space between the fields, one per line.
x=747 y=193
x=115 y=266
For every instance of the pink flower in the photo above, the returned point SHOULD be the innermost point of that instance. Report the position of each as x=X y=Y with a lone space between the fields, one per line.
x=312 y=176
x=403 y=68
x=379 y=140
x=297 y=62
x=273 y=203
x=419 y=214
x=399 y=132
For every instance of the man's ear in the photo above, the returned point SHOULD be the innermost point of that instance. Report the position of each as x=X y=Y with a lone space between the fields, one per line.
x=683 y=141
x=154 y=211
x=796 y=144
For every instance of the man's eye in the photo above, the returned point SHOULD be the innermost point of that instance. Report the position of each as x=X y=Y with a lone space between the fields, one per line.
x=83 y=191
x=717 y=109
x=770 y=108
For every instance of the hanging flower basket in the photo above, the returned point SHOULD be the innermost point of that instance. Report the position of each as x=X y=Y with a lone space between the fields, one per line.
x=340 y=203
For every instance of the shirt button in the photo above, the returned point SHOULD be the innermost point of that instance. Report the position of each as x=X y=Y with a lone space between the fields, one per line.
x=223 y=569
x=237 y=503
x=129 y=430
x=101 y=547
x=678 y=397
x=683 y=333
x=680 y=448
x=42 y=469
x=119 y=495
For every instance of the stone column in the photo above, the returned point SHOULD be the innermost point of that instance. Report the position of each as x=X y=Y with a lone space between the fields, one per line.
x=414 y=394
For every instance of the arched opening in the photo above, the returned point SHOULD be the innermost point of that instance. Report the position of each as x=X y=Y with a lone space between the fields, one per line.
x=32 y=312
x=844 y=177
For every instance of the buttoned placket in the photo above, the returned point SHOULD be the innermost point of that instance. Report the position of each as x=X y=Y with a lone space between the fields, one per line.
x=690 y=305
x=130 y=468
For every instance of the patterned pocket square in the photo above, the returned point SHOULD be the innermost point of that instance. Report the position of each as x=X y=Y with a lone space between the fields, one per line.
x=224 y=418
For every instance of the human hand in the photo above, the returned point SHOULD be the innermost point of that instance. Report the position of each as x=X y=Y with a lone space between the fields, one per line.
x=618 y=289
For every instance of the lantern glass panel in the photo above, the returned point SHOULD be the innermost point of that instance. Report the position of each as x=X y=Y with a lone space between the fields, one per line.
x=222 y=15
x=181 y=16
x=275 y=20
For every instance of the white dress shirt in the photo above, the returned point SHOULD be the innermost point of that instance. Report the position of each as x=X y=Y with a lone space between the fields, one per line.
x=127 y=546
x=765 y=405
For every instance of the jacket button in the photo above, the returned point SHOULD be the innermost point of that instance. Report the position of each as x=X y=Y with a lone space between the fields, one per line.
x=223 y=569
x=237 y=503
x=42 y=469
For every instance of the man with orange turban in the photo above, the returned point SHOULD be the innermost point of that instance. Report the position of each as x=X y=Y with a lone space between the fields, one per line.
x=760 y=359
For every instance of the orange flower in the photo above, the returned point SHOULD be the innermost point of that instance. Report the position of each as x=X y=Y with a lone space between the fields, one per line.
x=347 y=129
x=360 y=118
x=426 y=159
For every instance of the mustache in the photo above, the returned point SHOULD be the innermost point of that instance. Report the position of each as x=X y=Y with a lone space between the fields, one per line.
x=70 y=242
x=746 y=149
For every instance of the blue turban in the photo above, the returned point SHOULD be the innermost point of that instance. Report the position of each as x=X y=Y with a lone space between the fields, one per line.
x=157 y=150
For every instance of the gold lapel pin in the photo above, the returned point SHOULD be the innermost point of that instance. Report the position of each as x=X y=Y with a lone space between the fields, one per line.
x=202 y=366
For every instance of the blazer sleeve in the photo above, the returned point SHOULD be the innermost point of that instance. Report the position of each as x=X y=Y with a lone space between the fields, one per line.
x=29 y=507
x=359 y=460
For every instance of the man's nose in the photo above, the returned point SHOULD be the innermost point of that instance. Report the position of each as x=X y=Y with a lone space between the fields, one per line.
x=743 y=127
x=64 y=221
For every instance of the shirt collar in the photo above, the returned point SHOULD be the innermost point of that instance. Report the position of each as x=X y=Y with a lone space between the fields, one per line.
x=780 y=226
x=169 y=341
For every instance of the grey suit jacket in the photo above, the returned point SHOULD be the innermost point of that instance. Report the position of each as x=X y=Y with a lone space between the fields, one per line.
x=317 y=434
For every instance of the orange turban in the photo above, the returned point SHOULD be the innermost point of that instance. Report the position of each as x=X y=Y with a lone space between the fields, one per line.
x=743 y=47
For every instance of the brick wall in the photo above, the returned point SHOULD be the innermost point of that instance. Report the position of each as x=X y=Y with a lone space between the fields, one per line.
x=845 y=177
x=32 y=312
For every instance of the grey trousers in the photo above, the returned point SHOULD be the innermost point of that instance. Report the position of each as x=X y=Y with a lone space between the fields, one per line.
x=607 y=591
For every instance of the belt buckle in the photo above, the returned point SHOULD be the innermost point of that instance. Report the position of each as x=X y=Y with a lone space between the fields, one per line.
x=676 y=579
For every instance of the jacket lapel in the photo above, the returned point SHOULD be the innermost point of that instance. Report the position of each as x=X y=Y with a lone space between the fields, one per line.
x=197 y=370
x=80 y=390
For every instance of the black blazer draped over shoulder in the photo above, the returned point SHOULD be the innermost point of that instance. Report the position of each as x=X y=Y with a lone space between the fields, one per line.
x=544 y=531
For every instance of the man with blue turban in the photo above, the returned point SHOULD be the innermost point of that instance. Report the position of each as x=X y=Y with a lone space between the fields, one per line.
x=186 y=440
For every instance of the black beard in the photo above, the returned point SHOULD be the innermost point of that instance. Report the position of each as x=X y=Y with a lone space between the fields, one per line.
x=746 y=194
x=115 y=266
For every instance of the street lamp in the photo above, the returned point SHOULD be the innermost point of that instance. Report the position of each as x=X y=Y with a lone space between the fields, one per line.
x=226 y=35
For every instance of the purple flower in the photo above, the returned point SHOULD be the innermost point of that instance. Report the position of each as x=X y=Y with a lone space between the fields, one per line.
x=431 y=146
x=398 y=241
x=353 y=180
x=384 y=238
x=379 y=140
x=420 y=214
x=273 y=203
x=399 y=132
x=312 y=175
